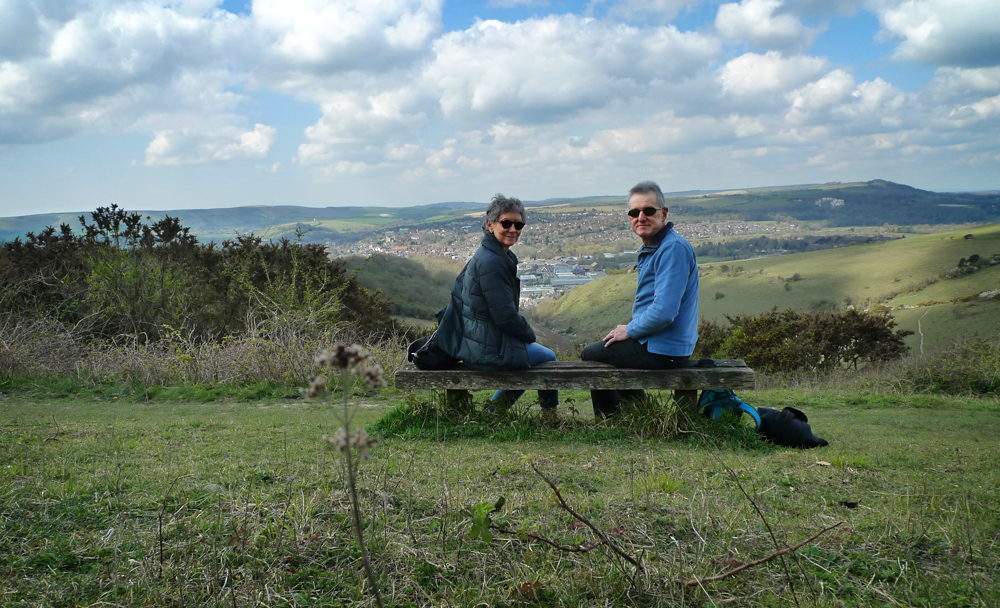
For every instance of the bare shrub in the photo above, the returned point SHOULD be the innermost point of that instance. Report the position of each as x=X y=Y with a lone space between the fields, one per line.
x=276 y=353
x=280 y=355
x=38 y=346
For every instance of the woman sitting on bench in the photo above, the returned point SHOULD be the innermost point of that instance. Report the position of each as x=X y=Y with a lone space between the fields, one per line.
x=490 y=333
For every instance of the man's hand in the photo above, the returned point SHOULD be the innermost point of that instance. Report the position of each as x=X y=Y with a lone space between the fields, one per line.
x=616 y=335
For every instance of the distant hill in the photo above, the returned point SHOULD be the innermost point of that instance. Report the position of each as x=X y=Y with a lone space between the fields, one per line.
x=321 y=225
x=854 y=204
x=902 y=273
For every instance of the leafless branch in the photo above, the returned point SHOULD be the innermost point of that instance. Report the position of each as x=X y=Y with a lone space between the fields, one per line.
x=693 y=582
x=604 y=539
x=539 y=537
x=58 y=430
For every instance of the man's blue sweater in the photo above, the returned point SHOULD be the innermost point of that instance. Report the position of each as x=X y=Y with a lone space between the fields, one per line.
x=665 y=313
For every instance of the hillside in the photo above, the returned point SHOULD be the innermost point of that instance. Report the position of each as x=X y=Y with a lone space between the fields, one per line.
x=871 y=203
x=904 y=274
x=418 y=287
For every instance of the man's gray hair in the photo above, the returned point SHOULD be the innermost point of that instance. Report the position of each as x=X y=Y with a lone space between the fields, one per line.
x=647 y=187
x=500 y=205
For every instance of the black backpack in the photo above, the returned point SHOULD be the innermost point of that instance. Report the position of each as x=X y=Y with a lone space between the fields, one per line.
x=426 y=354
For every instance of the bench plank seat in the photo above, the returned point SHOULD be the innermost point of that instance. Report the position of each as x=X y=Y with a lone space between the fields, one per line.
x=581 y=375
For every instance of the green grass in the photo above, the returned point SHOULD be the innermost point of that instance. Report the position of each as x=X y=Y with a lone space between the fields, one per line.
x=179 y=502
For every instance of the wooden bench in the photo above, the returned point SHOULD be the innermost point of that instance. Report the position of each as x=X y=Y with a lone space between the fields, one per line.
x=582 y=375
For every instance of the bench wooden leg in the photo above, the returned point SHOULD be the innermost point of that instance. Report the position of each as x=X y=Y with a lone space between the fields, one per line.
x=687 y=399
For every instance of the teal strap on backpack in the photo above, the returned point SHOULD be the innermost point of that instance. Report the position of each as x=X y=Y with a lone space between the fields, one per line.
x=714 y=403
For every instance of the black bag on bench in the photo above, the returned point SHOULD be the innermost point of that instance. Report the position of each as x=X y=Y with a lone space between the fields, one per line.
x=426 y=352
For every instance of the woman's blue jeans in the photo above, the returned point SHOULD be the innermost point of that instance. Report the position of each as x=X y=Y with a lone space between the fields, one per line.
x=536 y=354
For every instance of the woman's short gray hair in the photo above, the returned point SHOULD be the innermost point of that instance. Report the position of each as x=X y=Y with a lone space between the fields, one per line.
x=500 y=205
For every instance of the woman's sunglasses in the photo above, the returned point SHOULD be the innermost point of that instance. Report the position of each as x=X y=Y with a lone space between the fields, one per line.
x=647 y=210
x=508 y=223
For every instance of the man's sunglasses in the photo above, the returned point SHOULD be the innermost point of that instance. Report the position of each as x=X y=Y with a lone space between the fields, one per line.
x=647 y=210
x=508 y=223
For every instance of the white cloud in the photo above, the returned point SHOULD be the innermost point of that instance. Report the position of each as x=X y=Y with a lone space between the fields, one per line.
x=109 y=66
x=496 y=79
x=960 y=85
x=184 y=146
x=513 y=3
x=20 y=31
x=875 y=98
x=745 y=126
x=960 y=33
x=193 y=8
x=321 y=37
x=752 y=74
x=819 y=96
x=345 y=166
x=762 y=24
x=835 y=99
x=984 y=109
x=541 y=69
x=824 y=8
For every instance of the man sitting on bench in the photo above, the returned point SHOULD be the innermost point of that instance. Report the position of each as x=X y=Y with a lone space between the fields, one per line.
x=664 y=326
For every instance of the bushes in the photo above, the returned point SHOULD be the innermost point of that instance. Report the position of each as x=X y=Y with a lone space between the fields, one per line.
x=968 y=367
x=129 y=299
x=789 y=341
x=280 y=356
x=126 y=277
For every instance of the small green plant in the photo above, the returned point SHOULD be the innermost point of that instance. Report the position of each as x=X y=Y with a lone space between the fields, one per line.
x=479 y=516
x=659 y=481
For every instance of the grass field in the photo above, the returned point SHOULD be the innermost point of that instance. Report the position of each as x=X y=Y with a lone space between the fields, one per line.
x=108 y=500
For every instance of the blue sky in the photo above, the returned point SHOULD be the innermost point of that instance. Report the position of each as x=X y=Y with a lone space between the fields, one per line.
x=201 y=103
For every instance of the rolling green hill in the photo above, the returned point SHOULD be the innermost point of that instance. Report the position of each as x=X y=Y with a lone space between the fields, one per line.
x=418 y=286
x=854 y=204
x=902 y=273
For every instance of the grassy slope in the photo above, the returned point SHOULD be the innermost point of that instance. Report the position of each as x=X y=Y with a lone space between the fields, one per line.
x=861 y=272
x=419 y=285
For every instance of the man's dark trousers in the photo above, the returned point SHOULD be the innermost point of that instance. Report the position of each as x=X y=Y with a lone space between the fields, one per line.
x=624 y=353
